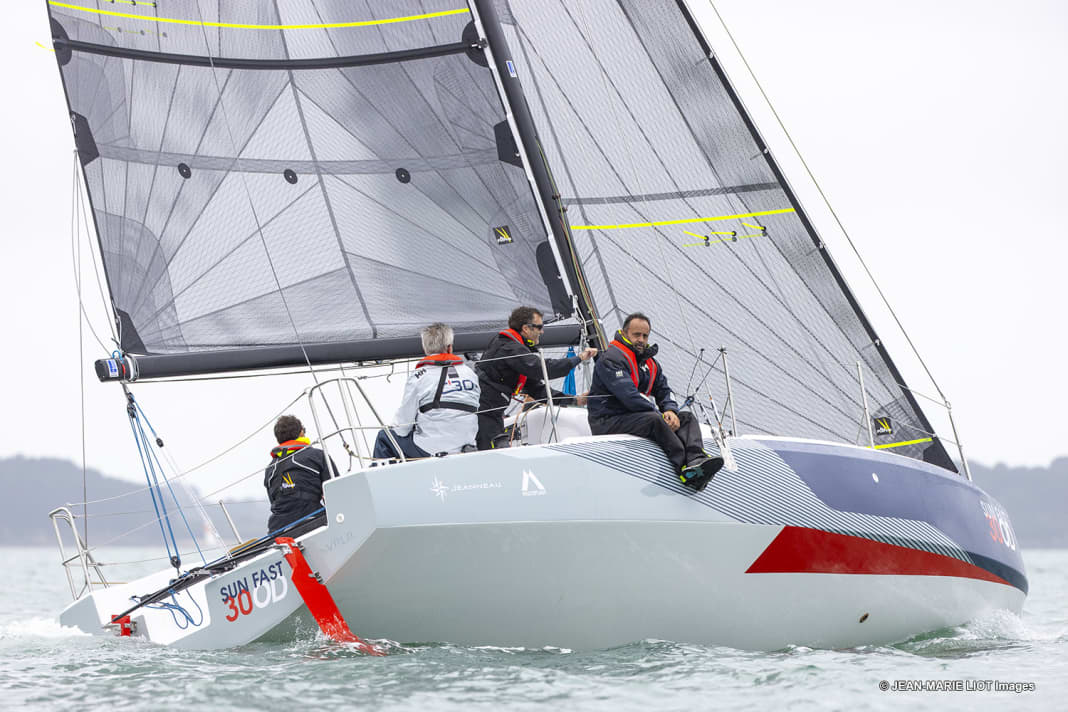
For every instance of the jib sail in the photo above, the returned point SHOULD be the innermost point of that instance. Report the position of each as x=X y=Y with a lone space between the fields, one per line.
x=677 y=209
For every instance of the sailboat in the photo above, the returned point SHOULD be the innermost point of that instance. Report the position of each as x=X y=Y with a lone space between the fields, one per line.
x=304 y=183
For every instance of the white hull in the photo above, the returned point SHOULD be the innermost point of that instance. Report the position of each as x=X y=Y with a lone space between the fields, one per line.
x=545 y=545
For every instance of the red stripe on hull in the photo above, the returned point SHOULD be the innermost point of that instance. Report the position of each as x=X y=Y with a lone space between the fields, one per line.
x=810 y=551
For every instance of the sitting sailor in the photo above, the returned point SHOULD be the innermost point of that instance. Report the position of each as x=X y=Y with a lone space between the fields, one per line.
x=510 y=365
x=630 y=394
x=437 y=413
x=294 y=479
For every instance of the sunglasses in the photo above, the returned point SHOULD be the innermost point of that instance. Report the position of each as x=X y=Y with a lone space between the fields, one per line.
x=539 y=327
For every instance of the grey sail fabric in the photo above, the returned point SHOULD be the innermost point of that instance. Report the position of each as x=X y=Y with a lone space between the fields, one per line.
x=675 y=211
x=308 y=171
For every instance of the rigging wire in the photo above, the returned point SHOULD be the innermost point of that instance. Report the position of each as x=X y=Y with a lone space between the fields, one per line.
x=196 y=467
x=76 y=223
x=81 y=344
x=174 y=468
x=826 y=201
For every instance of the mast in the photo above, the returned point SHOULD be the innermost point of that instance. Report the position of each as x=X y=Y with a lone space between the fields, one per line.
x=485 y=14
x=939 y=457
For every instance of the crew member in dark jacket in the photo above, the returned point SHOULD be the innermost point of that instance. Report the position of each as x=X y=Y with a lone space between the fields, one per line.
x=630 y=395
x=510 y=365
x=295 y=477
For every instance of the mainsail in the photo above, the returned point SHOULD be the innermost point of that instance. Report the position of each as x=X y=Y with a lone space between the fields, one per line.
x=298 y=173
x=677 y=209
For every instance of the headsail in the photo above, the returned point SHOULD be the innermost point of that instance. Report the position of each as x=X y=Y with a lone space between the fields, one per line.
x=676 y=208
x=307 y=172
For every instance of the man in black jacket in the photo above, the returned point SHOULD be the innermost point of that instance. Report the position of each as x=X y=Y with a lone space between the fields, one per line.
x=510 y=365
x=630 y=395
x=295 y=477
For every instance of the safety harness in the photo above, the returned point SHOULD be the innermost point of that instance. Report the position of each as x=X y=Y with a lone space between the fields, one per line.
x=446 y=361
x=633 y=361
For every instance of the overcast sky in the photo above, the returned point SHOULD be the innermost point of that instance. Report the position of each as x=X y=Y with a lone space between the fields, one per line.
x=936 y=128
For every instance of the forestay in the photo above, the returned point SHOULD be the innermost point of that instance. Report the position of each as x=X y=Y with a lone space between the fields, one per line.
x=312 y=171
x=676 y=209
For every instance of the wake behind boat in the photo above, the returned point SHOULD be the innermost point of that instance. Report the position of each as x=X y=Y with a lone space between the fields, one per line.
x=291 y=186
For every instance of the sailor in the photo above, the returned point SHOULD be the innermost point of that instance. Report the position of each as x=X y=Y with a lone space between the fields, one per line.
x=510 y=366
x=437 y=413
x=630 y=395
x=294 y=479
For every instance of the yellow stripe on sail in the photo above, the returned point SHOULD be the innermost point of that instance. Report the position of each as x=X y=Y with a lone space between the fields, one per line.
x=681 y=222
x=902 y=444
x=230 y=25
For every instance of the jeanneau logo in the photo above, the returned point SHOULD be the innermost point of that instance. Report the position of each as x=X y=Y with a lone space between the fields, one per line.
x=530 y=479
x=440 y=489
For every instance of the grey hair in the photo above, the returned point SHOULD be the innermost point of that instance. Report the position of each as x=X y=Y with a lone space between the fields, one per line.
x=436 y=338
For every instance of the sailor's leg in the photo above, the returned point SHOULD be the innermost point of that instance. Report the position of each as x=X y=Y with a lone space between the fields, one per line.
x=649 y=425
x=490 y=425
x=408 y=446
x=383 y=447
x=689 y=433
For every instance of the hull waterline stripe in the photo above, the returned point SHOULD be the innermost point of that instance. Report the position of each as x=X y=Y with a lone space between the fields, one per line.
x=229 y=25
x=682 y=221
x=801 y=550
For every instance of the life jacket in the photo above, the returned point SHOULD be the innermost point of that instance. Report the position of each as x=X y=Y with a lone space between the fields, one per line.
x=445 y=361
x=280 y=481
x=632 y=360
x=518 y=338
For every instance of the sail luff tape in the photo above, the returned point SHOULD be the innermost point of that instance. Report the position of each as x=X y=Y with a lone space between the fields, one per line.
x=230 y=25
x=902 y=444
x=682 y=221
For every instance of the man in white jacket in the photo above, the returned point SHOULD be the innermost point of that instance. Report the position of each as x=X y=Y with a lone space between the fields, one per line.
x=437 y=413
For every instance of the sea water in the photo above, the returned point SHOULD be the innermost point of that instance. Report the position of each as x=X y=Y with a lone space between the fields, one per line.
x=46 y=666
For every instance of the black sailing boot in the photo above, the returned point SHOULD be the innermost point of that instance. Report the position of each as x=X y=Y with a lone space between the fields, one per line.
x=699 y=472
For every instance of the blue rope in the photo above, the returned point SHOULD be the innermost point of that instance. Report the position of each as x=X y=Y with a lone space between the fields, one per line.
x=152 y=491
x=170 y=489
x=175 y=608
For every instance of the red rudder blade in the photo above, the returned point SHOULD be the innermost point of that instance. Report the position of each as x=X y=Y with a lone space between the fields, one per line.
x=318 y=598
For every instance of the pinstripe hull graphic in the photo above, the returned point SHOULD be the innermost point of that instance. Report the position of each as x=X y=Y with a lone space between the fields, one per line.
x=592 y=543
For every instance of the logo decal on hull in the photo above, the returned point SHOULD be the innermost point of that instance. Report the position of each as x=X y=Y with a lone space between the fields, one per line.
x=440 y=489
x=529 y=479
